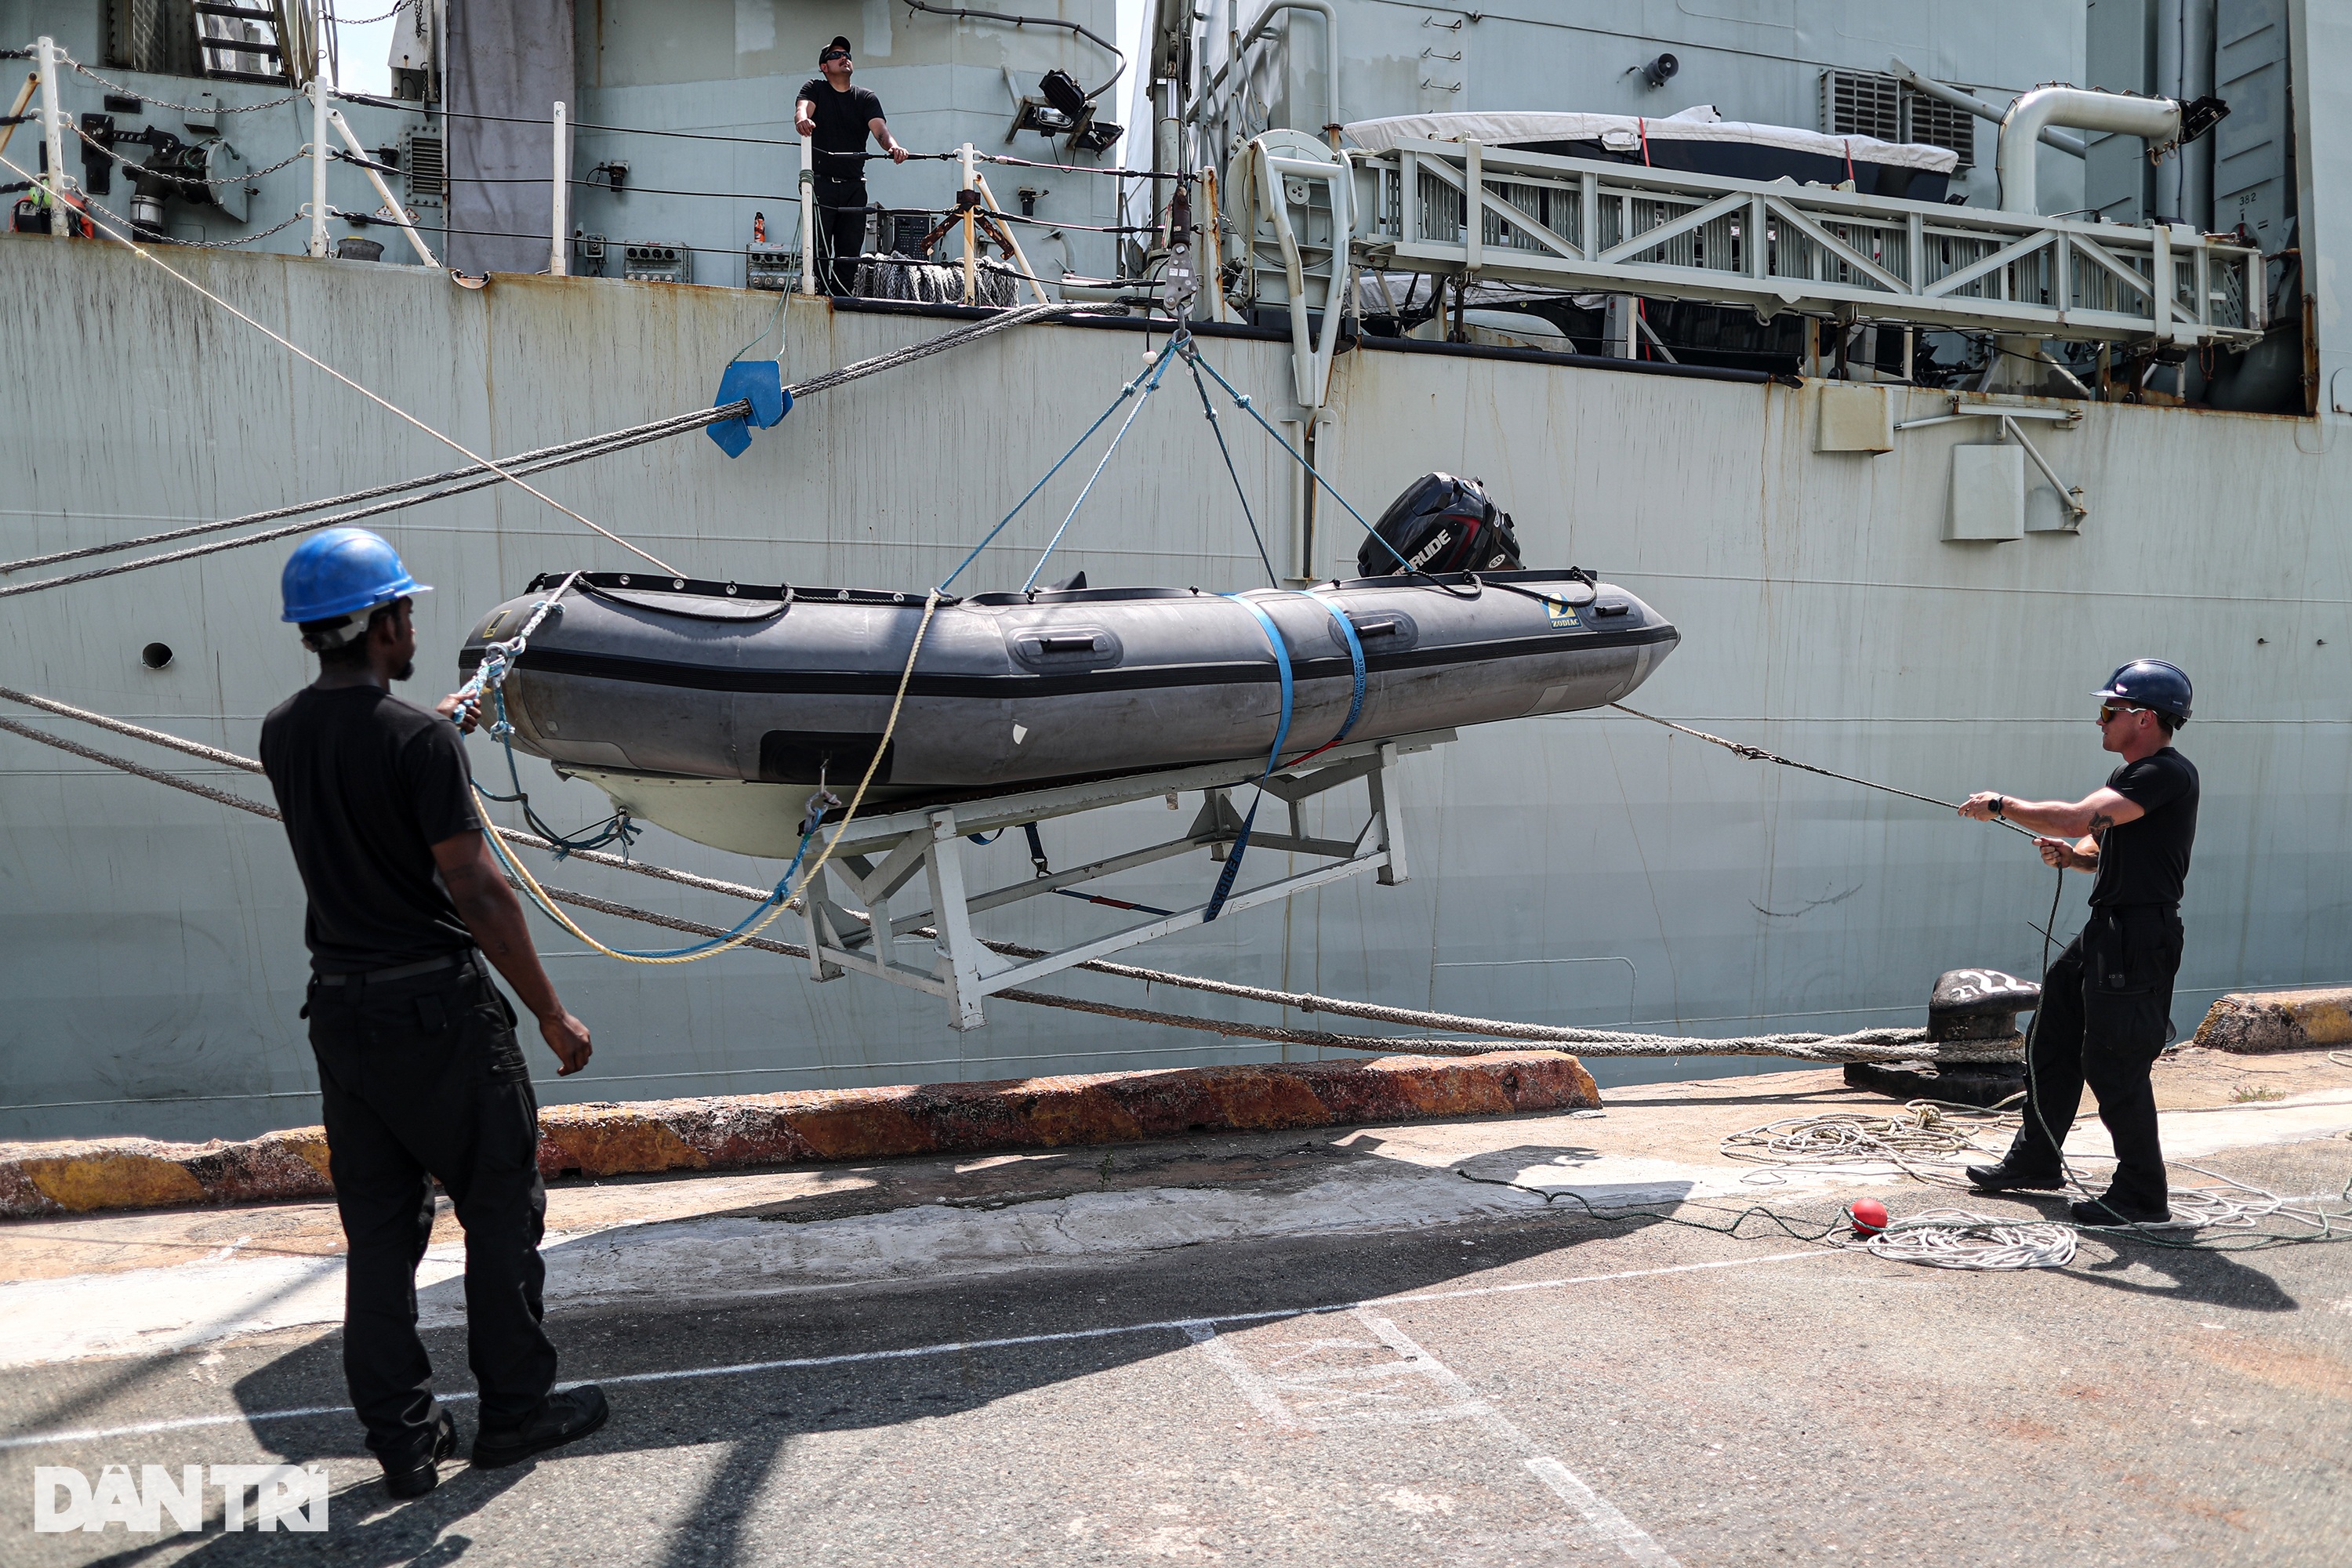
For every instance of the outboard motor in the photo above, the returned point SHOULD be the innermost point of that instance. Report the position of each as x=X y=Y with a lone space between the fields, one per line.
x=1441 y=523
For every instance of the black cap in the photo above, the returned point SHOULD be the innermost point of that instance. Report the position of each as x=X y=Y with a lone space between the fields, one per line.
x=840 y=46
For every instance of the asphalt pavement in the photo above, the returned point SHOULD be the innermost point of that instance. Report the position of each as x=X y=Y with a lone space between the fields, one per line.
x=1478 y=1386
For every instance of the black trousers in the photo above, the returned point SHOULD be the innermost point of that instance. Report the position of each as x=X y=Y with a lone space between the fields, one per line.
x=422 y=1077
x=2106 y=1005
x=840 y=228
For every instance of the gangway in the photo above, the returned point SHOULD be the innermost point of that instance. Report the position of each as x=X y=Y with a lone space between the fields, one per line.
x=878 y=858
x=1605 y=227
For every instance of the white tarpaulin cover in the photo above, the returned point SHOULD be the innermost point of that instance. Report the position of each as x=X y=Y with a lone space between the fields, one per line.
x=1625 y=132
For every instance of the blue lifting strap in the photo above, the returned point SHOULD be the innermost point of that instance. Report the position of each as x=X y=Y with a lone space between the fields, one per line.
x=1355 y=657
x=1281 y=736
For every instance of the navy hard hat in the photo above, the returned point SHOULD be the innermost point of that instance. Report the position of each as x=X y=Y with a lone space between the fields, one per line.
x=341 y=572
x=2149 y=683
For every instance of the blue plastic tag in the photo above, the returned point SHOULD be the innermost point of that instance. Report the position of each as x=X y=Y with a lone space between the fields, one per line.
x=761 y=380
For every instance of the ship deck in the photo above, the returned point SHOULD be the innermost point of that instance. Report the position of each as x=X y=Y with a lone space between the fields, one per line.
x=1277 y=1348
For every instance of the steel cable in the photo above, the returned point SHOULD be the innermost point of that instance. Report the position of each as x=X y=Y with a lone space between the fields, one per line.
x=1867 y=1045
x=107 y=228
x=531 y=461
x=485 y=472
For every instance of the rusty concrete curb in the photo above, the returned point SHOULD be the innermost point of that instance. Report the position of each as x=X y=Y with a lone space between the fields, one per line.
x=642 y=1137
x=2278 y=1020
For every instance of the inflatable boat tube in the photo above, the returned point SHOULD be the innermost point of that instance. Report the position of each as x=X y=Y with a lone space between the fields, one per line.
x=643 y=682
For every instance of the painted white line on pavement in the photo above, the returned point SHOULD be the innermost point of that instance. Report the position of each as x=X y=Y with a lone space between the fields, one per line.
x=1599 y=1513
x=953 y=1347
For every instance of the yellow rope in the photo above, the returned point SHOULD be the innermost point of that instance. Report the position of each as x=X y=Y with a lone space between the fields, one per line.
x=538 y=895
x=930 y=607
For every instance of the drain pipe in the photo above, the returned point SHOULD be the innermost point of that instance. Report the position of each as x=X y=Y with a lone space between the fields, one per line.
x=2150 y=119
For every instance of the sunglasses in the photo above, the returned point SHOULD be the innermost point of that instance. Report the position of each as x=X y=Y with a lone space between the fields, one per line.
x=2109 y=713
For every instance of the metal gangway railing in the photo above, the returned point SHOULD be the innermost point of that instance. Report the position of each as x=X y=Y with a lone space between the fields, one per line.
x=1615 y=229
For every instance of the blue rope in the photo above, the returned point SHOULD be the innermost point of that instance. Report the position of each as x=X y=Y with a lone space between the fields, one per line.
x=1241 y=400
x=1159 y=369
x=1124 y=393
x=775 y=897
x=616 y=828
x=1281 y=735
x=1191 y=363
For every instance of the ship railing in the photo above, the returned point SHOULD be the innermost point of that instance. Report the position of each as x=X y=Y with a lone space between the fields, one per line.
x=1606 y=227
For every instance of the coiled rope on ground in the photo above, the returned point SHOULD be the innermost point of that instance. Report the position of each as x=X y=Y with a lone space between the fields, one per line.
x=1958 y=1239
x=1929 y=1141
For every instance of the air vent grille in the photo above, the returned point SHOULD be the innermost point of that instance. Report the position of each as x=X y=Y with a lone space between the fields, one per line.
x=1940 y=124
x=1862 y=103
x=424 y=163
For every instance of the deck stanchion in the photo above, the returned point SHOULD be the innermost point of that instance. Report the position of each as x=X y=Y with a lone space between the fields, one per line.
x=808 y=214
x=319 y=148
x=53 y=138
x=970 y=255
x=562 y=185
x=393 y=209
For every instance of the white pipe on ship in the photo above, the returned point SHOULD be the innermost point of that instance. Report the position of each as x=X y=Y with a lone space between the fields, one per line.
x=2150 y=119
x=1929 y=87
x=1330 y=46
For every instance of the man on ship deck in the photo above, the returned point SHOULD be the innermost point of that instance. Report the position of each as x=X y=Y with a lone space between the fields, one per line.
x=2106 y=1002
x=838 y=117
x=420 y=1076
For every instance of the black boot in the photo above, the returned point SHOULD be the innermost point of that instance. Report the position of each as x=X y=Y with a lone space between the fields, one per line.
x=418 y=1475
x=2119 y=1209
x=2010 y=1175
x=560 y=1419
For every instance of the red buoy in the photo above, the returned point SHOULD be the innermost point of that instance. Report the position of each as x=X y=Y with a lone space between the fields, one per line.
x=1869 y=1217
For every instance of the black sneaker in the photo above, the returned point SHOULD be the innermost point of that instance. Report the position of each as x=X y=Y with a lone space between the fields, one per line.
x=2111 y=1211
x=560 y=1419
x=2006 y=1177
x=417 y=1477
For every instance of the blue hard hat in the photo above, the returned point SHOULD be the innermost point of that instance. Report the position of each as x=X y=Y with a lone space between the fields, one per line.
x=341 y=572
x=2149 y=683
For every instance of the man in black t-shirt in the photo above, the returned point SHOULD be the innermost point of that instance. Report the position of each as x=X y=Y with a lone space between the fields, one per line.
x=420 y=1076
x=838 y=118
x=2106 y=1002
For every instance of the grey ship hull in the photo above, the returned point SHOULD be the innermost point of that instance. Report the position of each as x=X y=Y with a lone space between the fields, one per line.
x=1586 y=868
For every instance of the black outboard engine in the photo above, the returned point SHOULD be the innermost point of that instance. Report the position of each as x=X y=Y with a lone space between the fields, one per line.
x=1441 y=524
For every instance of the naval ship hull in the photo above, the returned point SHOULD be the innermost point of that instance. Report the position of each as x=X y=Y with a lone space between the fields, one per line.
x=1587 y=868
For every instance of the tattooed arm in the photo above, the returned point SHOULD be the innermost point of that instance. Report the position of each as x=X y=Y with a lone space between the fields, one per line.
x=2087 y=819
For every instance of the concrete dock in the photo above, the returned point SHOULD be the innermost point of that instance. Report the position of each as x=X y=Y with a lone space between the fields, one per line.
x=1288 y=1346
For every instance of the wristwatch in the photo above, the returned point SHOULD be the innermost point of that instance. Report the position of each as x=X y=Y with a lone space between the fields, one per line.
x=2000 y=806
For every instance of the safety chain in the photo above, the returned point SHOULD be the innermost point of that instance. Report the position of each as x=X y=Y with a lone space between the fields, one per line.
x=230 y=244
x=183 y=108
x=368 y=21
x=299 y=154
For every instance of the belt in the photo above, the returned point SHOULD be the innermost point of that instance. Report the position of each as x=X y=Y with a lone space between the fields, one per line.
x=404 y=971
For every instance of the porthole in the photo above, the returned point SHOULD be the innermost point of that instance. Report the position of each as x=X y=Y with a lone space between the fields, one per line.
x=156 y=655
